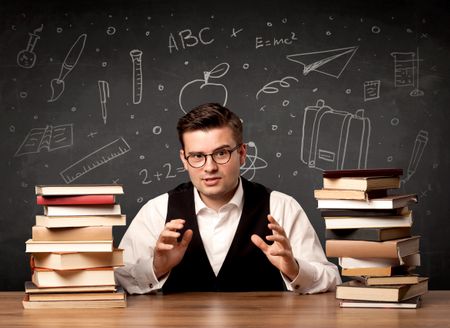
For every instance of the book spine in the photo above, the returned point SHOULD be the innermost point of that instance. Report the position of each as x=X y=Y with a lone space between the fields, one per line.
x=76 y=200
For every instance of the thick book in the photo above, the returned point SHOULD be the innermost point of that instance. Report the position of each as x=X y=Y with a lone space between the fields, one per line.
x=80 y=221
x=80 y=189
x=326 y=212
x=369 y=234
x=349 y=194
x=33 y=246
x=396 y=248
x=40 y=233
x=412 y=303
x=71 y=210
x=76 y=200
x=73 y=278
x=375 y=172
x=31 y=288
x=86 y=304
x=361 y=183
x=356 y=290
x=392 y=280
x=78 y=260
x=378 y=271
x=88 y=296
x=337 y=222
x=389 y=202
x=371 y=262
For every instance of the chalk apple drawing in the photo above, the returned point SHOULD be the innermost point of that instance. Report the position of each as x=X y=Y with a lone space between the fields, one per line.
x=199 y=91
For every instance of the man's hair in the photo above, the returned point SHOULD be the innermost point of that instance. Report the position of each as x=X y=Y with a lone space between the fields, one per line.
x=209 y=116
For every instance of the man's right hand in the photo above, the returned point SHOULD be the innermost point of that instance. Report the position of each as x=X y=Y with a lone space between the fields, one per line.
x=169 y=251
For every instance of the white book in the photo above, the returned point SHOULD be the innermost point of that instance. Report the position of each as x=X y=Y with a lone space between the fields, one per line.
x=389 y=202
x=80 y=210
x=87 y=189
x=348 y=222
x=68 y=246
x=80 y=221
x=369 y=262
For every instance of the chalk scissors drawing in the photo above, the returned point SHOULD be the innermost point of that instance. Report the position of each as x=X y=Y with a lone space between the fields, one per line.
x=329 y=62
x=49 y=138
x=272 y=87
x=57 y=85
x=95 y=159
x=26 y=58
x=199 y=91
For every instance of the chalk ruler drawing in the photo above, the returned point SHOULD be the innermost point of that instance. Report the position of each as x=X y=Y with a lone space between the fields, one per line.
x=103 y=89
x=255 y=162
x=406 y=71
x=372 y=90
x=49 y=138
x=95 y=159
x=200 y=91
x=334 y=139
x=329 y=62
x=272 y=87
x=26 y=58
x=138 y=83
x=419 y=145
x=57 y=85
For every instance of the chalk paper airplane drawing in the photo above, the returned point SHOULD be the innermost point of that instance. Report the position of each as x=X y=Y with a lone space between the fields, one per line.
x=329 y=62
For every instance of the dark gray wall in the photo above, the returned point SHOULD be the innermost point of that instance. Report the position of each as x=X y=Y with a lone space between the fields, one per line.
x=267 y=60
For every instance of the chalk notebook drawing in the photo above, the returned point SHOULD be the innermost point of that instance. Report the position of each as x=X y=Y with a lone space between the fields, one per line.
x=49 y=138
x=333 y=139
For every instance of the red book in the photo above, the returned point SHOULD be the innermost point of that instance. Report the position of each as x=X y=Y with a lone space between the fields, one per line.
x=76 y=200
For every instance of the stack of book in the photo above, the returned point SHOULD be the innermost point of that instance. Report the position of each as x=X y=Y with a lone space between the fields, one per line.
x=72 y=252
x=369 y=230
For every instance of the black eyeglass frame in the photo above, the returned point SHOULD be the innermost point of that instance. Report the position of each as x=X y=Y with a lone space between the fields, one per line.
x=205 y=157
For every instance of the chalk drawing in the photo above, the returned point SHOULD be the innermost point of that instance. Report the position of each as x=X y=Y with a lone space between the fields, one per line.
x=406 y=71
x=419 y=145
x=272 y=87
x=57 y=85
x=136 y=58
x=329 y=62
x=103 y=89
x=26 y=58
x=255 y=162
x=372 y=90
x=201 y=91
x=95 y=159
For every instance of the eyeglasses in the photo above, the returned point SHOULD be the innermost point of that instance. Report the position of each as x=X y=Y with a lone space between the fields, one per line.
x=221 y=156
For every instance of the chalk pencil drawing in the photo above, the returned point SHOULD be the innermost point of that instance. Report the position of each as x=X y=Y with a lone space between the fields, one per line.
x=420 y=143
x=138 y=82
x=200 y=91
x=26 y=58
x=334 y=139
x=272 y=87
x=50 y=138
x=252 y=162
x=103 y=89
x=57 y=85
x=95 y=159
x=406 y=71
x=372 y=90
x=329 y=62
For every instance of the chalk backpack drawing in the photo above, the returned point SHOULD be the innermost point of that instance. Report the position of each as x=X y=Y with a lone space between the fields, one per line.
x=334 y=139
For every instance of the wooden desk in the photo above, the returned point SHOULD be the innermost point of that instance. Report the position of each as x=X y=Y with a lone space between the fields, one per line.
x=263 y=309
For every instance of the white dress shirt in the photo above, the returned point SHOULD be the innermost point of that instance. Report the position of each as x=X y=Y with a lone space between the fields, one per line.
x=217 y=229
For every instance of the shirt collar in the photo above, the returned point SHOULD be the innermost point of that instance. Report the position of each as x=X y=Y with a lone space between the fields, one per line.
x=237 y=199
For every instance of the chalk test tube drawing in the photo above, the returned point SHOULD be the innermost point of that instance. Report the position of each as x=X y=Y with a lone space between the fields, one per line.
x=70 y=61
x=333 y=139
x=272 y=87
x=329 y=62
x=138 y=83
x=200 y=91
x=419 y=145
x=49 y=138
x=255 y=162
x=95 y=159
x=103 y=89
x=372 y=90
x=26 y=58
x=406 y=71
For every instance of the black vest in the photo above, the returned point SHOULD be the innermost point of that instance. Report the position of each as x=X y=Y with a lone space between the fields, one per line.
x=245 y=268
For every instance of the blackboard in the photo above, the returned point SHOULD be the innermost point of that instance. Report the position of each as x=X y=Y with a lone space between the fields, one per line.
x=123 y=72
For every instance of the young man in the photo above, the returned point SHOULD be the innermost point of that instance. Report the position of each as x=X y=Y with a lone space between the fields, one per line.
x=220 y=232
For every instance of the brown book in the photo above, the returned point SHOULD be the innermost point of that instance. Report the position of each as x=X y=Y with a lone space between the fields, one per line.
x=362 y=183
x=88 y=296
x=412 y=303
x=361 y=248
x=377 y=271
x=77 y=260
x=40 y=233
x=73 y=278
x=392 y=280
x=80 y=221
x=80 y=189
x=356 y=290
x=369 y=234
x=348 y=194
x=64 y=304
x=31 y=288
x=386 y=172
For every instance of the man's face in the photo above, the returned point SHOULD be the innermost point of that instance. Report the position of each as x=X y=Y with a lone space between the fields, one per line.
x=215 y=182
